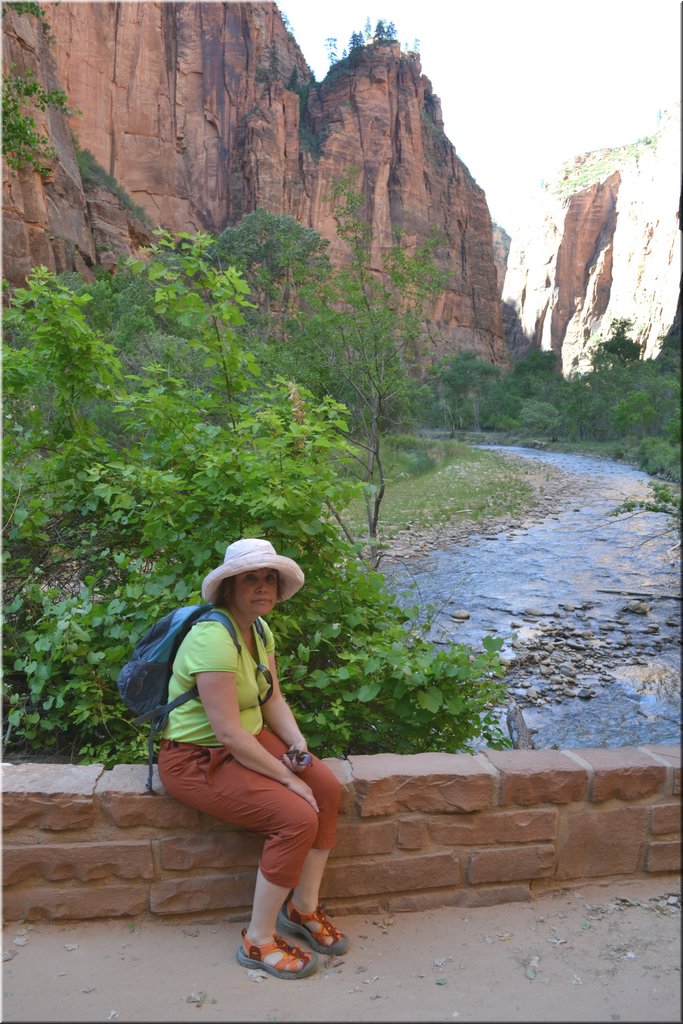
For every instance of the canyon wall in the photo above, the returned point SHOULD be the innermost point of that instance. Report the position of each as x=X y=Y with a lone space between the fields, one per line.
x=205 y=111
x=607 y=250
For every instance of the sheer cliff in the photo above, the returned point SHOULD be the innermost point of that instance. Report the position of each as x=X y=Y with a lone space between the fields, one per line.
x=205 y=111
x=605 y=246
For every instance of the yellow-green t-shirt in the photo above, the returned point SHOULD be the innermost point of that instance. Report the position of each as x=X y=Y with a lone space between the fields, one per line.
x=208 y=647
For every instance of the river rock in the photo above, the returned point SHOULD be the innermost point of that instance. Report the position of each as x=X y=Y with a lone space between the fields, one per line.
x=461 y=613
x=637 y=607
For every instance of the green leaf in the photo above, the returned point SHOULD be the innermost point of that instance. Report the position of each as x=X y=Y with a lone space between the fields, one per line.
x=430 y=699
x=368 y=692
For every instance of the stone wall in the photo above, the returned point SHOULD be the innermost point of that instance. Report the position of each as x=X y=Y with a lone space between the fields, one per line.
x=416 y=832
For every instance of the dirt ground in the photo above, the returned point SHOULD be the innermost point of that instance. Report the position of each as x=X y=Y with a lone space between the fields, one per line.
x=608 y=952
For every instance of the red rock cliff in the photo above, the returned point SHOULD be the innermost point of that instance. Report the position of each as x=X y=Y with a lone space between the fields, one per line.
x=193 y=108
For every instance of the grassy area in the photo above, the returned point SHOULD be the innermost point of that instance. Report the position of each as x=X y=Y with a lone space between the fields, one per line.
x=458 y=481
x=432 y=480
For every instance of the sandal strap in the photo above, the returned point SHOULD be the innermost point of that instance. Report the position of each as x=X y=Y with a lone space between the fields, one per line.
x=327 y=929
x=289 y=954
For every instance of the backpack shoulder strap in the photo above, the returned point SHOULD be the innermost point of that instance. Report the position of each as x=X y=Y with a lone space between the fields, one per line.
x=217 y=616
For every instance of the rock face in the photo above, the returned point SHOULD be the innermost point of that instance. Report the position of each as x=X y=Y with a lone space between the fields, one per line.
x=54 y=220
x=605 y=251
x=205 y=111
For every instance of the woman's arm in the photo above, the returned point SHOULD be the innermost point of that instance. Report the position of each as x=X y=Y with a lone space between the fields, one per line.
x=218 y=693
x=278 y=715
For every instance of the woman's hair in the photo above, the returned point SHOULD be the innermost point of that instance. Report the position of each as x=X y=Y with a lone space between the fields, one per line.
x=225 y=589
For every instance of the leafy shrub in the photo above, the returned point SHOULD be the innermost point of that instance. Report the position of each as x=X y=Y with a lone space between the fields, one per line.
x=114 y=526
x=659 y=458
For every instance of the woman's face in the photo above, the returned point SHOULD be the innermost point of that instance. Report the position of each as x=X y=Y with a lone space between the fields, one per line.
x=254 y=593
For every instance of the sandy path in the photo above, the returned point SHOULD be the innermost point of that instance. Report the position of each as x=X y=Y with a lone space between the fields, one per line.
x=597 y=953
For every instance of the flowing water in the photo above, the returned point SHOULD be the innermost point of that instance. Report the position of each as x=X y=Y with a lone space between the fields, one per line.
x=588 y=606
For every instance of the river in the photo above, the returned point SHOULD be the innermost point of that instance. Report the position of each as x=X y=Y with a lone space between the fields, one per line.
x=587 y=604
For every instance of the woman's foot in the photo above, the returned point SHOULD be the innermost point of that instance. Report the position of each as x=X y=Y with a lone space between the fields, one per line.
x=277 y=957
x=316 y=928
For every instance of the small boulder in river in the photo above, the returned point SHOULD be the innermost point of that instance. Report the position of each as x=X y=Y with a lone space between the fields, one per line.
x=637 y=607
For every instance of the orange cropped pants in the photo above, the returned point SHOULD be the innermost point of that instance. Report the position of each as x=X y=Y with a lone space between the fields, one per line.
x=210 y=779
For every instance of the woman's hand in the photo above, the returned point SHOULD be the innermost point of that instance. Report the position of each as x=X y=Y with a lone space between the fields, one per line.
x=298 y=786
x=297 y=758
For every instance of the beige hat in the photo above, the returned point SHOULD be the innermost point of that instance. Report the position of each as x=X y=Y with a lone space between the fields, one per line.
x=250 y=553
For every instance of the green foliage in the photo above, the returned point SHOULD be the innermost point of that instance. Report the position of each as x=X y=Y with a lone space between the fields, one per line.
x=618 y=350
x=118 y=523
x=363 y=335
x=22 y=143
x=277 y=257
x=34 y=9
x=630 y=404
x=93 y=174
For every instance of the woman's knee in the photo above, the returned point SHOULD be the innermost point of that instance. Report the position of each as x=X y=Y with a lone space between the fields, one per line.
x=305 y=821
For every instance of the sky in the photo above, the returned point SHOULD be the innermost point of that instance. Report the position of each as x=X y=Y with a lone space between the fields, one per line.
x=524 y=84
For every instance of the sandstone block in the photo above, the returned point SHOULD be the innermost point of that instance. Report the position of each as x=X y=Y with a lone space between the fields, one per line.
x=361 y=878
x=84 y=861
x=125 y=801
x=49 y=796
x=413 y=834
x=537 y=777
x=207 y=850
x=386 y=783
x=624 y=773
x=203 y=892
x=412 y=902
x=511 y=863
x=490 y=895
x=664 y=856
x=665 y=818
x=489 y=827
x=342 y=769
x=609 y=843
x=670 y=755
x=77 y=904
x=362 y=839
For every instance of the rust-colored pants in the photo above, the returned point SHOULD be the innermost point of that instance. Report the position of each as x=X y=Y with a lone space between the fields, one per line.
x=210 y=779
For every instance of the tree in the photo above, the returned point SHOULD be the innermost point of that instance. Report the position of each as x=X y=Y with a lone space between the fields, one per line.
x=619 y=349
x=277 y=257
x=462 y=381
x=356 y=42
x=385 y=32
x=22 y=143
x=366 y=331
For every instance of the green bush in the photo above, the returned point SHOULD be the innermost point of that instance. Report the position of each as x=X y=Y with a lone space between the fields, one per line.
x=118 y=523
x=659 y=458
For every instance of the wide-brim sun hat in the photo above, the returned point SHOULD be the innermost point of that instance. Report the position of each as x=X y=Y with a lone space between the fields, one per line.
x=253 y=553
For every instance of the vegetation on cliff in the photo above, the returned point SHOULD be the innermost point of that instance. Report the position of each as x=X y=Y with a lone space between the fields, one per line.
x=595 y=166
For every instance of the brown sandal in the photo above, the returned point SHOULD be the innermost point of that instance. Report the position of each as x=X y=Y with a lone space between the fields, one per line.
x=291 y=962
x=323 y=936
